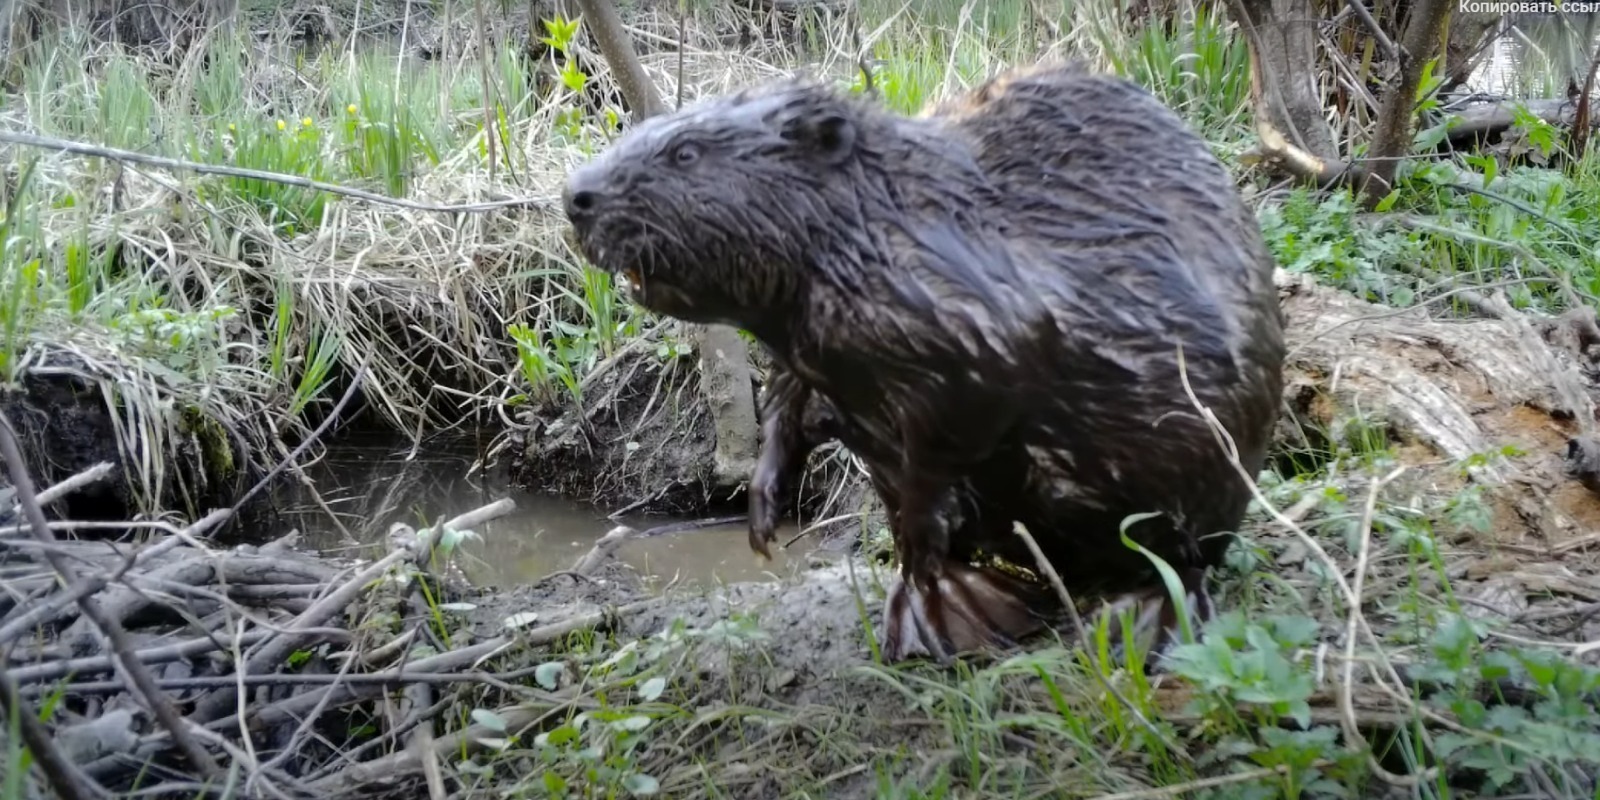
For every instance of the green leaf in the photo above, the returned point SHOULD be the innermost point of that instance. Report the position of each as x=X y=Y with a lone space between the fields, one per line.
x=640 y=784
x=652 y=689
x=557 y=737
x=1168 y=575
x=548 y=674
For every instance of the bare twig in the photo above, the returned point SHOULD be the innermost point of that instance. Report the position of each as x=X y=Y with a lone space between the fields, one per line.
x=293 y=708
x=115 y=154
x=150 y=655
x=1390 y=51
x=1347 y=709
x=64 y=776
x=1225 y=441
x=91 y=585
x=92 y=475
x=135 y=672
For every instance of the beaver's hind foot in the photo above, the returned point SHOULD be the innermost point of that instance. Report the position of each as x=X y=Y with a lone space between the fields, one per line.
x=963 y=609
x=1153 y=627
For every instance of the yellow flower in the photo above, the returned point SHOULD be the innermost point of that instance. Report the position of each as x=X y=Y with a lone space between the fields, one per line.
x=281 y=125
x=231 y=127
x=350 y=108
x=306 y=121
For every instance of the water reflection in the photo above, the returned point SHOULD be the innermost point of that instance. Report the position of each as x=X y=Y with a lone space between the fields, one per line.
x=367 y=482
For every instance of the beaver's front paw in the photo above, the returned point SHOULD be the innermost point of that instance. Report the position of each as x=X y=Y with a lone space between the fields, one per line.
x=764 y=508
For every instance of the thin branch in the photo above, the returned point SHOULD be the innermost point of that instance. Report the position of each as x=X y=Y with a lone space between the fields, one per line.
x=1390 y=51
x=64 y=776
x=116 y=154
x=135 y=672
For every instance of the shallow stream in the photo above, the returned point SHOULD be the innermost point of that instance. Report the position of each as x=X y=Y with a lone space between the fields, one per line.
x=371 y=481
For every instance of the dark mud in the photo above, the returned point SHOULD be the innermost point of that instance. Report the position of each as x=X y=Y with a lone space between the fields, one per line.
x=641 y=439
x=65 y=426
x=645 y=442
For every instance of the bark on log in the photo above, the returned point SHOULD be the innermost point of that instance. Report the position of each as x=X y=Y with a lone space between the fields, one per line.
x=1448 y=390
x=1479 y=123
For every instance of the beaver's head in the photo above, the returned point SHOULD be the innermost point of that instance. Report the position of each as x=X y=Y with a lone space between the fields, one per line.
x=711 y=213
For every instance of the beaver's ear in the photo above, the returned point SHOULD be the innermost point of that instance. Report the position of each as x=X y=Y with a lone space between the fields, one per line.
x=829 y=136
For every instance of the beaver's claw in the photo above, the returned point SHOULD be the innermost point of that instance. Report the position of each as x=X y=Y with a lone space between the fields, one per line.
x=764 y=507
x=761 y=537
x=763 y=518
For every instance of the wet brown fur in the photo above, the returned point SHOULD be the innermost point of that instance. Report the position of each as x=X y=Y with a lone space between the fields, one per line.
x=985 y=303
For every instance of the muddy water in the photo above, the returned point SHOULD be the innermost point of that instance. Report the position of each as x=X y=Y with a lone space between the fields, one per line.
x=369 y=482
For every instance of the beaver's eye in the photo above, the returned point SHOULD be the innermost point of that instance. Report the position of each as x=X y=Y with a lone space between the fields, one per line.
x=686 y=154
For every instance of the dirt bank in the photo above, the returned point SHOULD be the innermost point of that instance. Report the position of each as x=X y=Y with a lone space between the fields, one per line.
x=642 y=439
x=69 y=417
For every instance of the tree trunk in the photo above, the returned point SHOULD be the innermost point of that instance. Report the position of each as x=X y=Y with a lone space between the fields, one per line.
x=1287 y=105
x=724 y=360
x=1424 y=35
x=1283 y=55
x=1470 y=35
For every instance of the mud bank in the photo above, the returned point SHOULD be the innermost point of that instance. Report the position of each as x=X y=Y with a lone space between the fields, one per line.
x=68 y=419
x=642 y=439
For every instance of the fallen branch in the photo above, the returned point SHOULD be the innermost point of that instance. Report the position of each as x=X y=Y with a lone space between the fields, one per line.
x=174 y=164
x=135 y=672
x=1479 y=122
x=606 y=546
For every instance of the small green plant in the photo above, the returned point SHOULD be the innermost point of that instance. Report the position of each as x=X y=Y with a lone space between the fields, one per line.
x=543 y=364
x=189 y=343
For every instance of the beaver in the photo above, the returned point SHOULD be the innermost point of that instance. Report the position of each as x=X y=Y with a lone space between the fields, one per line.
x=997 y=303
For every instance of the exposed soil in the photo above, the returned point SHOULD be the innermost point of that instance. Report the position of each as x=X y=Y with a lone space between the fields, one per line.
x=64 y=428
x=644 y=440
x=641 y=435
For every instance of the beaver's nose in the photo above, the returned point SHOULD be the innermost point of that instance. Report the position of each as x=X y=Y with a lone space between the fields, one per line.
x=582 y=194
